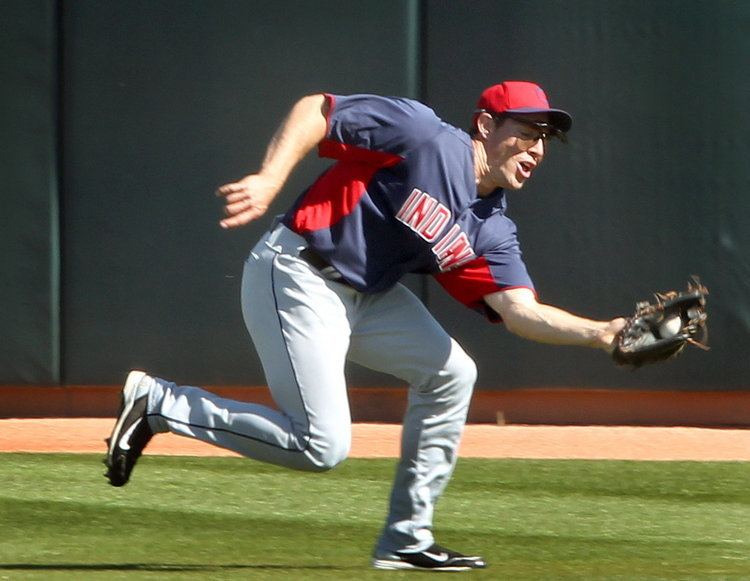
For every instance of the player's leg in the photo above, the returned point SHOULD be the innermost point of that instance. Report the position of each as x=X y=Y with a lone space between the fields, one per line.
x=301 y=333
x=396 y=334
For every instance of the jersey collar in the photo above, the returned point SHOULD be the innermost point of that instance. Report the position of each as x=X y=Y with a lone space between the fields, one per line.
x=493 y=202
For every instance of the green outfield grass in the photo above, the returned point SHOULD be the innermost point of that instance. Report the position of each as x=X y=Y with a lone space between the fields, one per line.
x=227 y=518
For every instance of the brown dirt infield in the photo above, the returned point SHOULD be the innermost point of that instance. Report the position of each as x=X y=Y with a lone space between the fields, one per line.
x=83 y=435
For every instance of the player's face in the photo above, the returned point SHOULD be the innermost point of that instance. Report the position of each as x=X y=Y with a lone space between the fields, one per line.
x=514 y=151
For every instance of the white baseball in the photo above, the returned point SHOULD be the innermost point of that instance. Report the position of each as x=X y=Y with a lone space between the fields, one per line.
x=671 y=326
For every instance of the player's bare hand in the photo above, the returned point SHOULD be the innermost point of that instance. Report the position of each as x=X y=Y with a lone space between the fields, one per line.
x=247 y=199
x=608 y=334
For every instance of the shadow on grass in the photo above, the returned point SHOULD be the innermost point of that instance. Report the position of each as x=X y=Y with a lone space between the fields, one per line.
x=163 y=567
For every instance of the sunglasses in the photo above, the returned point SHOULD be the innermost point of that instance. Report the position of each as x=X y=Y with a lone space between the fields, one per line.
x=531 y=131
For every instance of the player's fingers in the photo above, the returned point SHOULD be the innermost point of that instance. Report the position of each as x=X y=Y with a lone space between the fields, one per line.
x=236 y=197
x=234 y=213
x=242 y=218
x=237 y=207
x=229 y=188
x=239 y=220
x=233 y=221
x=228 y=223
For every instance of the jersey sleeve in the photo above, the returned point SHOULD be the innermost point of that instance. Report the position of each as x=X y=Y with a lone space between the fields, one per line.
x=498 y=270
x=374 y=129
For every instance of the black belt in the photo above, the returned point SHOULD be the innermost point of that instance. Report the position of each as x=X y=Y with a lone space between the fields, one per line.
x=321 y=265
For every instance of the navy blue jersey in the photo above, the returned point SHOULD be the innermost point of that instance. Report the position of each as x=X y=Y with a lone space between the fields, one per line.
x=402 y=198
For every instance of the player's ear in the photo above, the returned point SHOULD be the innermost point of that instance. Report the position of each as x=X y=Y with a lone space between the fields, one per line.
x=485 y=124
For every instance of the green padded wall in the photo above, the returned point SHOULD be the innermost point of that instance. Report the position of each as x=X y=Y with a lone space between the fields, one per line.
x=29 y=251
x=161 y=101
x=165 y=100
x=653 y=187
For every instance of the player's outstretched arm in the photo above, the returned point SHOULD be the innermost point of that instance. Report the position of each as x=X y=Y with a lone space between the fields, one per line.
x=525 y=317
x=250 y=197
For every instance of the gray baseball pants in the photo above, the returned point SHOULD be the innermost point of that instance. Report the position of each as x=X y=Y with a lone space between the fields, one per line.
x=304 y=327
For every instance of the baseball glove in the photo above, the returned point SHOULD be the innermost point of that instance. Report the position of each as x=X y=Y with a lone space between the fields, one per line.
x=660 y=330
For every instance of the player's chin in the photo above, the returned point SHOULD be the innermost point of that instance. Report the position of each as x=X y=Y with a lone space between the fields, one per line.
x=511 y=178
x=517 y=183
x=519 y=179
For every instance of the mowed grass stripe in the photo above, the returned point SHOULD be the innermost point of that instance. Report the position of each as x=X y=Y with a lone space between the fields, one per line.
x=228 y=518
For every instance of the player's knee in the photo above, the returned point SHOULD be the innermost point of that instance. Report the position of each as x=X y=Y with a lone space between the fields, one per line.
x=326 y=452
x=454 y=381
x=462 y=369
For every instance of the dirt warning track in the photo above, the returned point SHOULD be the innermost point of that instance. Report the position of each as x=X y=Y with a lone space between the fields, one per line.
x=77 y=435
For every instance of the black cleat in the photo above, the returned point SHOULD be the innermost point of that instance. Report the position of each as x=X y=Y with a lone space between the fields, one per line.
x=435 y=558
x=131 y=433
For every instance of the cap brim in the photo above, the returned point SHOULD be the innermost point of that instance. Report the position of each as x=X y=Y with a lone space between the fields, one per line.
x=559 y=118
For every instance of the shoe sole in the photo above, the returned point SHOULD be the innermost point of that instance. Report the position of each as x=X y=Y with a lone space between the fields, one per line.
x=387 y=565
x=126 y=404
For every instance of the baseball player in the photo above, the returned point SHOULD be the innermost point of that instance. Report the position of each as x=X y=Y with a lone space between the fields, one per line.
x=407 y=193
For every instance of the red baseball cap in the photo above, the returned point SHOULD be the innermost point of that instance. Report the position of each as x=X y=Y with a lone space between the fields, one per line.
x=521 y=97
